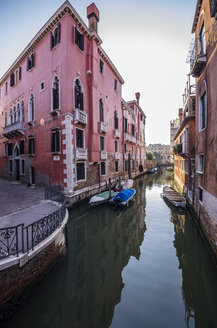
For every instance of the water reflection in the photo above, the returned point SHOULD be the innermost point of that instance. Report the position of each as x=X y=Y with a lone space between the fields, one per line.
x=199 y=283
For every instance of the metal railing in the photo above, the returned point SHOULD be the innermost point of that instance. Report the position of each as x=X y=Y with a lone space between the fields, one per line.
x=20 y=239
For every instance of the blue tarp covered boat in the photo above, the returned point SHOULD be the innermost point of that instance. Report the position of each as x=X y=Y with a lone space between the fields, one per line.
x=123 y=197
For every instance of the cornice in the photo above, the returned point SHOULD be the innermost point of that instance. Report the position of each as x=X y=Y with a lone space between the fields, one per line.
x=110 y=64
x=196 y=15
x=135 y=103
x=66 y=8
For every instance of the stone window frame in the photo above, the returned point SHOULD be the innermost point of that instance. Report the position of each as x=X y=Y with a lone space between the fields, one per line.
x=103 y=175
x=85 y=171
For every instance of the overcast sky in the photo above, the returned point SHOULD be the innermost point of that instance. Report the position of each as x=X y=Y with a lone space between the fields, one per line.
x=147 y=41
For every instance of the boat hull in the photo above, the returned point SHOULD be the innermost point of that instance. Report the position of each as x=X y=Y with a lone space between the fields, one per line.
x=174 y=197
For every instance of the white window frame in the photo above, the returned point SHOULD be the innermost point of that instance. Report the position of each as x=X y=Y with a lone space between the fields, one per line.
x=85 y=172
x=115 y=166
x=59 y=103
x=103 y=175
x=199 y=187
x=30 y=118
x=103 y=143
x=42 y=89
x=200 y=113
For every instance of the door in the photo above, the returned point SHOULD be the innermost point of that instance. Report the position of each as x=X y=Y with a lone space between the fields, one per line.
x=17 y=163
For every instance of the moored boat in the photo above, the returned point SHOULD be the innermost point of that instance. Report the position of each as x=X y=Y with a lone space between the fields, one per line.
x=174 y=197
x=123 y=197
x=101 y=198
x=125 y=184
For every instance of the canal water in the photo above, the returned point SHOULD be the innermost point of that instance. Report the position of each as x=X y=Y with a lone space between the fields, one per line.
x=143 y=266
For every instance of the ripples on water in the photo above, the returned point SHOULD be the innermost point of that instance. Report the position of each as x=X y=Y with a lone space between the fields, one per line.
x=144 y=266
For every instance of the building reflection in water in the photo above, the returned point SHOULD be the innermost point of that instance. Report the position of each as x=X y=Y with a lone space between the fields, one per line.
x=198 y=273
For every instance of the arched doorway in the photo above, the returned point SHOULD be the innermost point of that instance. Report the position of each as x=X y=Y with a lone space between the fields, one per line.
x=17 y=162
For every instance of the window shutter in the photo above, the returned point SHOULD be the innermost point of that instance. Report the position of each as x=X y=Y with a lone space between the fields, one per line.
x=27 y=63
x=82 y=42
x=20 y=72
x=33 y=60
x=58 y=33
x=11 y=80
x=76 y=35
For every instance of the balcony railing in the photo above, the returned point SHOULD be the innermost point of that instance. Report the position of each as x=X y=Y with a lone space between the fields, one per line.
x=102 y=127
x=117 y=133
x=126 y=156
x=80 y=116
x=80 y=153
x=117 y=155
x=129 y=137
x=197 y=58
x=103 y=154
x=14 y=130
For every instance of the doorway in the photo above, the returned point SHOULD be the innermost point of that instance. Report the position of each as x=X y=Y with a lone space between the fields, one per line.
x=17 y=168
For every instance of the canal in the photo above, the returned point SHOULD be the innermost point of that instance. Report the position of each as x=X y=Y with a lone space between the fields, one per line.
x=143 y=266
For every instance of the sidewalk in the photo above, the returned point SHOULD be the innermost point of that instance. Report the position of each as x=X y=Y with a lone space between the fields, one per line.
x=20 y=204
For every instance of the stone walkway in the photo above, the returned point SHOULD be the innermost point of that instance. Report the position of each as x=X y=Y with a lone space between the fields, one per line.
x=20 y=204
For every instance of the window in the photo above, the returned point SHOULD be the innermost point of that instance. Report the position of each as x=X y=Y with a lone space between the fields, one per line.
x=125 y=125
x=31 y=109
x=5 y=149
x=18 y=113
x=202 y=112
x=55 y=37
x=102 y=168
x=116 y=167
x=125 y=165
x=133 y=164
x=202 y=40
x=116 y=146
x=101 y=111
x=10 y=166
x=20 y=73
x=101 y=66
x=201 y=163
x=115 y=120
x=6 y=87
x=200 y=190
x=55 y=141
x=79 y=138
x=80 y=171
x=22 y=112
x=22 y=147
x=78 y=95
x=132 y=129
x=55 y=101
x=102 y=143
x=41 y=86
x=14 y=115
x=22 y=166
x=79 y=39
x=125 y=148
x=30 y=61
x=115 y=84
x=10 y=147
x=31 y=143
x=12 y=79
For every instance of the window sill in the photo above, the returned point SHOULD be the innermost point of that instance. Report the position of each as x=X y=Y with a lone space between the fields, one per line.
x=202 y=130
x=199 y=172
x=31 y=123
x=31 y=155
x=78 y=181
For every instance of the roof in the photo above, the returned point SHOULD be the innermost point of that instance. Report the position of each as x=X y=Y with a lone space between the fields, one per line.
x=48 y=26
x=184 y=122
x=196 y=15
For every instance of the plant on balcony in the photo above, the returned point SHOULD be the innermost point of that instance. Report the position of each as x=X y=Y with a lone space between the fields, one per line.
x=177 y=149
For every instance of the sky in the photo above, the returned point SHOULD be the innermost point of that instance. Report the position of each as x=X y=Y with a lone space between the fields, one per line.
x=147 y=41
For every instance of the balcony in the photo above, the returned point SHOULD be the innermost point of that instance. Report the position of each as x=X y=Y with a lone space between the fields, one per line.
x=103 y=154
x=177 y=149
x=197 y=64
x=117 y=155
x=80 y=154
x=130 y=138
x=117 y=133
x=80 y=116
x=133 y=157
x=126 y=156
x=102 y=127
x=14 y=130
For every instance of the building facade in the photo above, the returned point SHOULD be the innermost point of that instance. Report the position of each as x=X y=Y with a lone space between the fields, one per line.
x=62 y=109
x=174 y=126
x=203 y=67
x=161 y=152
x=184 y=143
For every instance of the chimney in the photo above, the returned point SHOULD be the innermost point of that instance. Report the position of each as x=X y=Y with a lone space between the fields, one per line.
x=93 y=17
x=137 y=94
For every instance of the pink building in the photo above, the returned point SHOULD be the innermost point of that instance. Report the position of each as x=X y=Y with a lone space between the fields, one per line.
x=62 y=108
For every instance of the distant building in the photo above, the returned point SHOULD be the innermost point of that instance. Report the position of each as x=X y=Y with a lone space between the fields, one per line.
x=161 y=152
x=174 y=126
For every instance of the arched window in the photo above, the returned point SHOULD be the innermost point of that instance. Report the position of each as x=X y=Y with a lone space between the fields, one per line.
x=101 y=111
x=55 y=94
x=115 y=120
x=10 y=117
x=18 y=113
x=22 y=112
x=16 y=151
x=31 y=109
x=79 y=96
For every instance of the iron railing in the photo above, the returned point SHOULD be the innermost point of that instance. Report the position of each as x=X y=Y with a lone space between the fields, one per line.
x=20 y=239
